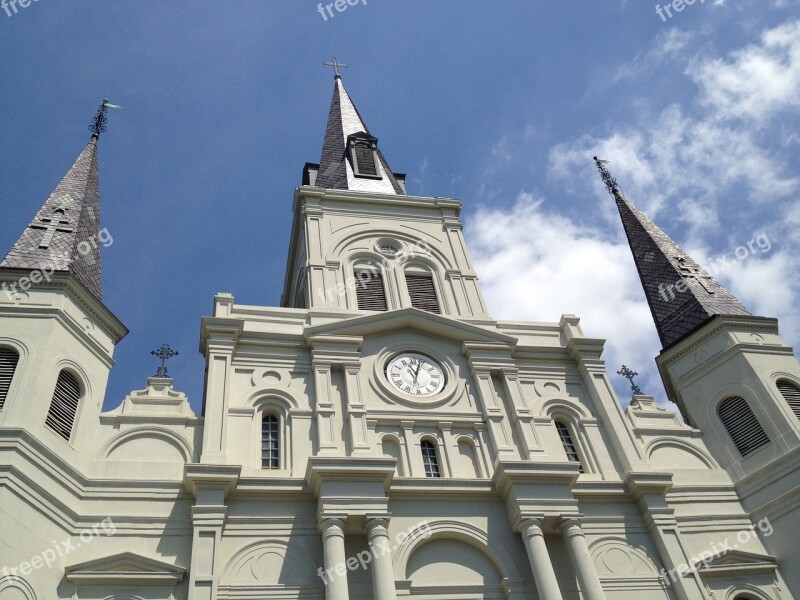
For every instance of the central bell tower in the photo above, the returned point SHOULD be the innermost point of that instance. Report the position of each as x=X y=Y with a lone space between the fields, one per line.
x=360 y=242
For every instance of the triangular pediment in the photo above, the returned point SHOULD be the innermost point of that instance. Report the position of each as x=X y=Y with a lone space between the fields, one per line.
x=731 y=562
x=126 y=567
x=415 y=320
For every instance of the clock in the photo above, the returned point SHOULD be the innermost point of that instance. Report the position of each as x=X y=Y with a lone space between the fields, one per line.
x=415 y=375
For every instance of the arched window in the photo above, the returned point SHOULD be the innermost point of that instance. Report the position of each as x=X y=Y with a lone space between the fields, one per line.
x=64 y=405
x=422 y=292
x=569 y=446
x=790 y=393
x=430 y=459
x=8 y=365
x=742 y=425
x=270 y=442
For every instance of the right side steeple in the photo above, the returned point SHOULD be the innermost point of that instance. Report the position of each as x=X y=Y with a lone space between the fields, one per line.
x=681 y=295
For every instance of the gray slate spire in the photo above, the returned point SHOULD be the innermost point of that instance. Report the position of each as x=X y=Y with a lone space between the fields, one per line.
x=63 y=235
x=682 y=296
x=335 y=168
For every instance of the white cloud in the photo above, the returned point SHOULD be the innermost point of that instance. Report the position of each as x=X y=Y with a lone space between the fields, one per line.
x=700 y=161
x=667 y=45
x=755 y=82
x=537 y=265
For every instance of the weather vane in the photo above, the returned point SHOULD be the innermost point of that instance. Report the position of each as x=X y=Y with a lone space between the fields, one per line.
x=336 y=66
x=164 y=353
x=611 y=184
x=100 y=119
x=629 y=375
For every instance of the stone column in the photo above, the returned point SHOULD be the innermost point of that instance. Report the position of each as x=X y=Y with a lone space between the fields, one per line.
x=581 y=560
x=335 y=559
x=382 y=572
x=542 y=567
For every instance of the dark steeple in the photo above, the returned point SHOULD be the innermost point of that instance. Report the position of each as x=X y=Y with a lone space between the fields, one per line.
x=351 y=159
x=682 y=296
x=64 y=236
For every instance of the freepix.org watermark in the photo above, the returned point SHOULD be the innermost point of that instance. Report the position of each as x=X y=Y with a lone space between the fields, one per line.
x=665 y=12
x=717 y=265
x=14 y=5
x=84 y=252
x=706 y=556
x=371 y=269
x=340 y=5
x=365 y=557
x=49 y=556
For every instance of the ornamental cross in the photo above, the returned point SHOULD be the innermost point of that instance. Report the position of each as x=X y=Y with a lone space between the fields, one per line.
x=336 y=66
x=629 y=375
x=100 y=118
x=164 y=353
x=611 y=184
x=57 y=222
x=689 y=271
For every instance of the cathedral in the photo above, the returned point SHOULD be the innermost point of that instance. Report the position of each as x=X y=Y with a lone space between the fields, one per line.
x=379 y=436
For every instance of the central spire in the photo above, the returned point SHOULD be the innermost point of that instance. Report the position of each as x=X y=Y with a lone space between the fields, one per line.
x=351 y=159
x=682 y=296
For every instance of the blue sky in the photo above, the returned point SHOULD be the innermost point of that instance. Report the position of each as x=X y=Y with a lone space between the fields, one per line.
x=500 y=104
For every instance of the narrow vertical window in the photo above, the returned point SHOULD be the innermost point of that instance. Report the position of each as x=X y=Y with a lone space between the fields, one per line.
x=270 y=443
x=364 y=155
x=8 y=365
x=790 y=393
x=742 y=425
x=64 y=405
x=430 y=460
x=569 y=445
x=370 y=292
x=422 y=293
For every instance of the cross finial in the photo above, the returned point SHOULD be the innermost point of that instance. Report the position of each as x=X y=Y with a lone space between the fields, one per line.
x=100 y=119
x=336 y=66
x=611 y=184
x=164 y=353
x=629 y=375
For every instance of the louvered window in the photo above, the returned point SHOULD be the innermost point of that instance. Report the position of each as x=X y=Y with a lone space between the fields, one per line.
x=364 y=159
x=370 y=291
x=569 y=445
x=270 y=443
x=791 y=393
x=430 y=460
x=422 y=293
x=8 y=364
x=64 y=406
x=742 y=425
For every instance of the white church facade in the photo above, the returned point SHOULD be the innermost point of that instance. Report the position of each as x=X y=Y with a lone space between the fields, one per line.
x=379 y=435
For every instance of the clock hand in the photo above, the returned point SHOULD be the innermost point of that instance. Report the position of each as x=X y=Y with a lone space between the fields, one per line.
x=416 y=373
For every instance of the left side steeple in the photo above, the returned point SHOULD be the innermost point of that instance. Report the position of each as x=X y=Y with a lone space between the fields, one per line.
x=64 y=234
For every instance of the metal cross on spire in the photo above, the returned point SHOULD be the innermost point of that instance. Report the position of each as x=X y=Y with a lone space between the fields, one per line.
x=611 y=184
x=164 y=353
x=100 y=119
x=336 y=66
x=629 y=375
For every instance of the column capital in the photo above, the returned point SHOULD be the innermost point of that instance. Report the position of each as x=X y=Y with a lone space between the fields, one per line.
x=332 y=528
x=377 y=527
x=571 y=526
x=531 y=526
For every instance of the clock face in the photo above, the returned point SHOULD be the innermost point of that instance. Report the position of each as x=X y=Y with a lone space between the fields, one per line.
x=415 y=375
